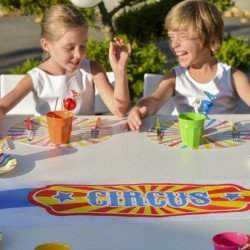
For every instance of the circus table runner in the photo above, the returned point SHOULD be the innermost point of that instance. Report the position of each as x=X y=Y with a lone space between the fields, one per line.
x=132 y=200
x=80 y=136
x=217 y=135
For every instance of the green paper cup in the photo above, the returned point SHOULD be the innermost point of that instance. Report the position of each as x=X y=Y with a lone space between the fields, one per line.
x=191 y=128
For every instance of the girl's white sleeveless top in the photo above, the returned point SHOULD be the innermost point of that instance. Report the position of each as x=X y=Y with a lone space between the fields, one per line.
x=48 y=89
x=188 y=91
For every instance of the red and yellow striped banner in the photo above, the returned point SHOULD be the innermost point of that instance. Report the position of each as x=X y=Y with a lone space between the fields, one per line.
x=148 y=200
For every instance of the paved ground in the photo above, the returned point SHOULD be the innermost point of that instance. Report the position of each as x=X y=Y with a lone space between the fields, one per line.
x=20 y=39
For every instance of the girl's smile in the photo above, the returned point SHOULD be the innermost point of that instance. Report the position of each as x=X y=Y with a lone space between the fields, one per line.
x=69 y=50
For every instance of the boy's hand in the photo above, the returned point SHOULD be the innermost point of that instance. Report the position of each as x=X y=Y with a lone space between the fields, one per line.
x=134 y=117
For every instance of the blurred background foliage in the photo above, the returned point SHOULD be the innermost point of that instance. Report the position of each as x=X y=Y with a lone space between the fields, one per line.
x=142 y=23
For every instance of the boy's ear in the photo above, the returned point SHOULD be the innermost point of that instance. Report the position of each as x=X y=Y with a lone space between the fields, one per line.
x=44 y=44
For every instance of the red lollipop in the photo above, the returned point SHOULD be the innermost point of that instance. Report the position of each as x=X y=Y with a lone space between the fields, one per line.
x=69 y=104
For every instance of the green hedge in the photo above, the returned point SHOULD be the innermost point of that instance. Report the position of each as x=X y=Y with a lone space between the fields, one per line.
x=146 y=23
x=235 y=52
x=146 y=59
x=37 y=8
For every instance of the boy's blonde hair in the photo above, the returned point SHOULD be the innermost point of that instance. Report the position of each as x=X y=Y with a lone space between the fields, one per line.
x=58 y=19
x=203 y=17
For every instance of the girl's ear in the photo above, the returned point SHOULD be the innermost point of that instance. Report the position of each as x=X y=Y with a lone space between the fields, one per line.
x=44 y=44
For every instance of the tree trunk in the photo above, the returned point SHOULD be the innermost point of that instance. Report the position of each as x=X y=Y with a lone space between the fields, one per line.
x=109 y=29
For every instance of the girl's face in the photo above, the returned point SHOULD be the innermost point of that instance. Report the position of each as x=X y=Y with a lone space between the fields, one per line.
x=69 y=50
x=188 y=48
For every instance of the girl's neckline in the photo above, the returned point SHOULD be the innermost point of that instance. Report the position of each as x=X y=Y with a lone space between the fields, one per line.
x=66 y=75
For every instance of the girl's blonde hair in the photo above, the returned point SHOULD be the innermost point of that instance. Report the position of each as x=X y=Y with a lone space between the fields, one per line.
x=58 y=19
x=203 y=17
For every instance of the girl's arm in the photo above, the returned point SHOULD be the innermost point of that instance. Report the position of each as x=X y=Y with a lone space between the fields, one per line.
x=10 y=100
x=150 y=105
x=117 y=99
x=241 y=84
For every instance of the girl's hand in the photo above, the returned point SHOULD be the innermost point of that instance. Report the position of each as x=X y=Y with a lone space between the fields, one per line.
x=119 y=53
x=134 y=117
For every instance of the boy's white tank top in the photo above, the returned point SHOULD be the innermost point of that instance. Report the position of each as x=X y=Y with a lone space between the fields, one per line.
x=48 y=88
x=188 y=91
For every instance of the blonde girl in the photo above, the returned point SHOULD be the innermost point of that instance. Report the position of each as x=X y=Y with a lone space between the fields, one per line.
x=66 y=73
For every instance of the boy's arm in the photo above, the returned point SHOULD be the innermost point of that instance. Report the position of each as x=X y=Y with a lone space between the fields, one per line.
x=11 y=99
x=241 y=84
x=150 y=105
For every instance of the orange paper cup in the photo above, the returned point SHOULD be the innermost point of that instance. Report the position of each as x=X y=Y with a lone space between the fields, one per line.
x=53 y=246
x=59 y=126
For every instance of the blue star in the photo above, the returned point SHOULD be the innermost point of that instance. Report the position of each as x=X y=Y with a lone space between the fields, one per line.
x=231 y=196
x=61 y=196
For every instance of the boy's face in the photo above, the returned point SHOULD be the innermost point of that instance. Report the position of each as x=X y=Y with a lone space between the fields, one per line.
x=68 y=51
x=187 y=47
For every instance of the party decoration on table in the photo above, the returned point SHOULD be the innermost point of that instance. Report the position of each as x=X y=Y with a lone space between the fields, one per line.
x=70 y=103
x=4 y=143
x=7 y=163
x=29 y=131
x=197 y=106
x=80 y=135
x=147 y=200
x=157 y=126
x=95 y=131
x=207 y=103
x=217 y=135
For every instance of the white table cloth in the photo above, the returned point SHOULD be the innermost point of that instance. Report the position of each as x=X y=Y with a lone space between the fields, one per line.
x=125 y=158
